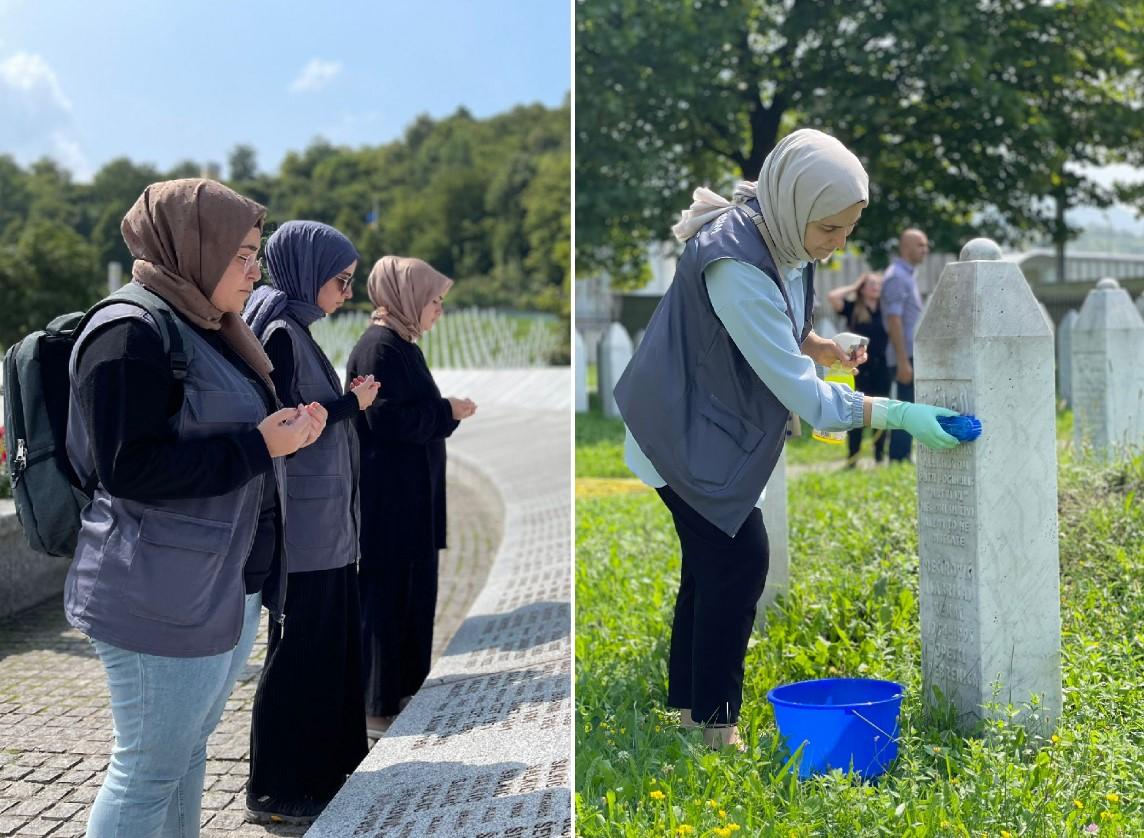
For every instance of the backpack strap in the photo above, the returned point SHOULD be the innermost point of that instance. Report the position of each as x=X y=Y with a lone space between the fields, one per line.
x=177 y=346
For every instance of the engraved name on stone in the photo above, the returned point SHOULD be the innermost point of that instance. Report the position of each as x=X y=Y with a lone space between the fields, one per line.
x=947 y=532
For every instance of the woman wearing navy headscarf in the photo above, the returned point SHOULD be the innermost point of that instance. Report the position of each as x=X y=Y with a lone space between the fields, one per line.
x=308 y=732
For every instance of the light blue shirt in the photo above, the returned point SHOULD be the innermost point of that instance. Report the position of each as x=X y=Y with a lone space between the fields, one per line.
x=900 y=298
x=752 y=310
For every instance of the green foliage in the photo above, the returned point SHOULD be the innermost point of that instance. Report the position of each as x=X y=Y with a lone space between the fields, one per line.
x=853 y=610
x=48 y=270
x=485 y=201
x=966 y=115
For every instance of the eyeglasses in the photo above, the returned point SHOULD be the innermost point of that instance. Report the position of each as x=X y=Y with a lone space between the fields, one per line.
x=346 y=281
x=249 y=262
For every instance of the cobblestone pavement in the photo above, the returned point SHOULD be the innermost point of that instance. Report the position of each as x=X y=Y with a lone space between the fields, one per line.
x=55 y=726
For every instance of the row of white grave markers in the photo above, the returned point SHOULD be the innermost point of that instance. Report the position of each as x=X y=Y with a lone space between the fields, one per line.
x=1107 y=372
x=987 y=512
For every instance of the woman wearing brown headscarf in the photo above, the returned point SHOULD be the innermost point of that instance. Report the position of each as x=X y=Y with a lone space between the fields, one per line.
x=184 y=449
x=402 y=483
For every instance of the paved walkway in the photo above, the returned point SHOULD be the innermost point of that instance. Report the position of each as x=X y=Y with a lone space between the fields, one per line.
x=484 y=749
x=55 y=726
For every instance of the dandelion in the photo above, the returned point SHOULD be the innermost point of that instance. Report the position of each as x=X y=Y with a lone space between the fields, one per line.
x=734 y=827
x=1006 y=834
x=1112 y=797
x=1056 y=739
x=657 y=795
x=723 y=814
x=723 y=831
x=711 y=804
x=1078 y=804
x=1105 y=815
x=684 y=829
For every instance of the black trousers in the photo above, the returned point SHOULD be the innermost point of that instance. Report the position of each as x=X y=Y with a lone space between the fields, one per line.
x=901 y=441
x=307 y=731
x=720 y=584
x=398 y=604
x=873 y=379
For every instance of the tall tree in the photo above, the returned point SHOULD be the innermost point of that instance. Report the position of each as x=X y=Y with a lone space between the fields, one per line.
x=941 y=101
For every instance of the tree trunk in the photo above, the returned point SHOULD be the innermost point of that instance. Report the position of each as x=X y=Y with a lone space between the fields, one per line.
x=1060 y=235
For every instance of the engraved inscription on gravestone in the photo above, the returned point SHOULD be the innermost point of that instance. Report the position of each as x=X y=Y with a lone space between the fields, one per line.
x=533 y=699
x=1089 y=388
x=947 y=536
x=474 y=800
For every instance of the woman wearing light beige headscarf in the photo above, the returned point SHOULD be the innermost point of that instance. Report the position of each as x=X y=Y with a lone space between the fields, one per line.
x=726 y=361
x=402 y=483
x=183 y=449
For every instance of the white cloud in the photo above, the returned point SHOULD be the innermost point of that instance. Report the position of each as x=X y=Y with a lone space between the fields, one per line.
x=36 y=115
x=316 y=75
x=30 y=94
x=70 y=155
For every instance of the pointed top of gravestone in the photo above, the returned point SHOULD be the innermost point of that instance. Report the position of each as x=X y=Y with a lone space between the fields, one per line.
x=980 y=250
x=1108 y=284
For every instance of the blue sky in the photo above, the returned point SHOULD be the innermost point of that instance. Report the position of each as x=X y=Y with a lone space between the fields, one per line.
x=164 y=81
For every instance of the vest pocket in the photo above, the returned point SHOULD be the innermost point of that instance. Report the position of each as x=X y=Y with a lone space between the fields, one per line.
x=176 y=565
x=719 y=442
x=308 y=522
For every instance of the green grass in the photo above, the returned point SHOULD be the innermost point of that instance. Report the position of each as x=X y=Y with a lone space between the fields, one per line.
x=600 y=443
x=853 y=610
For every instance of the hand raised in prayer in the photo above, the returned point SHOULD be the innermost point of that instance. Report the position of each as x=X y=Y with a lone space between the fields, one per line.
x=317 y=415
x=365 y=387
x=462 y=408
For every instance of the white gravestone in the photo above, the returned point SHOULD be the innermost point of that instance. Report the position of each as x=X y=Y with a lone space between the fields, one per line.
x=775 y=521
x=1064 y=356
x=1108 y=372
x=581 y=375
x=987 y=510
x=612 y=358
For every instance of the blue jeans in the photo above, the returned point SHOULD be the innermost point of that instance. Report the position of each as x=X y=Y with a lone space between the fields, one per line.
x=164 y=710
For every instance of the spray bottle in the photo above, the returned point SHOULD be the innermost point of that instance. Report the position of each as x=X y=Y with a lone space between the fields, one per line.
x=839 y=374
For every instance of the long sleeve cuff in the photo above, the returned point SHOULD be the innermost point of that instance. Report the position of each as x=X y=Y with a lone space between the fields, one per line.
x=879 y=413
x=857 y=408
x=255 y=452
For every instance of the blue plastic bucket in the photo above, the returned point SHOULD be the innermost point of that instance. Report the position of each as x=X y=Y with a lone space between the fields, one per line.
x=847 y=723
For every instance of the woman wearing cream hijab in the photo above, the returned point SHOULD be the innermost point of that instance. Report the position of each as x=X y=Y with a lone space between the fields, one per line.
x=727 y=361
x=402 y=437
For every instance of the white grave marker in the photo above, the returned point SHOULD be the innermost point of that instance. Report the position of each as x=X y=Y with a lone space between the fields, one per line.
x=612 y=358
x=775 y=521
x=987 y=510
x=581 y=375
x=1108 y=372
x=1064 y=356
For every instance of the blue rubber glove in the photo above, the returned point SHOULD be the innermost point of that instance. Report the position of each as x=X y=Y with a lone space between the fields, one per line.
x=919 y=420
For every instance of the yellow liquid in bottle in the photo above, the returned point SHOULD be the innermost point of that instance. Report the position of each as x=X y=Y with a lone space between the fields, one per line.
x=840 y=375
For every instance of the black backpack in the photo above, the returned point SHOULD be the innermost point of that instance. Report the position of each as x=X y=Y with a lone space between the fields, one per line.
x=49 y=496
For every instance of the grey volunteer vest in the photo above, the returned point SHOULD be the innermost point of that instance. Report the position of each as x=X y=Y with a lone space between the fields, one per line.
x=693 y=404
x=322 y=485
x=165 y=577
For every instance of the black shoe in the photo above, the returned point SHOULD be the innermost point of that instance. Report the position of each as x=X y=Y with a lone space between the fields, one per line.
x=267 y=809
